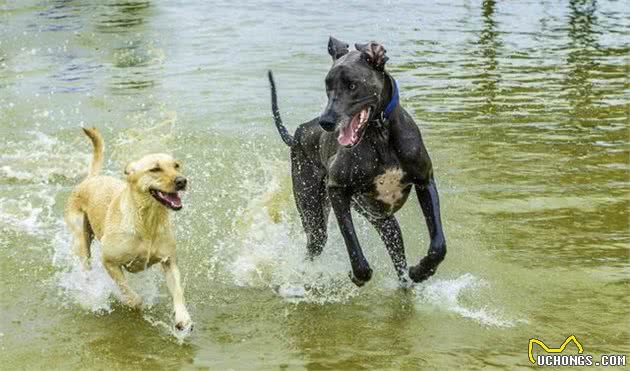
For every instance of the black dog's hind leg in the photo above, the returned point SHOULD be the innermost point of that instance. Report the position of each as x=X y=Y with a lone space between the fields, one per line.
x=309 y=191
x=340 y=201
x=430 y=203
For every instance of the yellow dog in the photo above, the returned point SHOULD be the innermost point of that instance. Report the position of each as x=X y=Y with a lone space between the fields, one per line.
x=130 y=218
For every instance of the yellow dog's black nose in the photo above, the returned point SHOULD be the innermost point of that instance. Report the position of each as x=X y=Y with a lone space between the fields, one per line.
x=180 y=183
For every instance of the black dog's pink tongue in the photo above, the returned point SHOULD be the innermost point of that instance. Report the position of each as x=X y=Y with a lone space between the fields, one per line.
x=347 y=135
x=172 y=198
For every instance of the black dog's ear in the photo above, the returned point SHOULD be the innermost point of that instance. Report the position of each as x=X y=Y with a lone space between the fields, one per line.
x=374 y=54
x=336 y=48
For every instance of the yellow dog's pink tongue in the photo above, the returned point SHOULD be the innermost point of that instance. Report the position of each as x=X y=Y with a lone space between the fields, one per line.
x=347 y=136
x=172 y=198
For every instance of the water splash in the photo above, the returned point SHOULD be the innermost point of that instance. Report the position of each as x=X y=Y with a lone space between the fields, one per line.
x=21 y=215
x=270 y=248
x=447 y=294
x=270 y=253
x=147 y=134
x=168 y=328
x=94 y=290
x=45 y=160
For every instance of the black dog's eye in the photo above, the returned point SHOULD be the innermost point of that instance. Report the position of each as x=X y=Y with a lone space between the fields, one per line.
x=155 y=169
x=352 y=86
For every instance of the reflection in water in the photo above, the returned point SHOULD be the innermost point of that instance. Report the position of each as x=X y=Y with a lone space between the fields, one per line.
x=582 y=47
x=135 y=56
x=575 y=179
x=121 y=16
x=120 y=34
x=5 y=74
x=487 y=47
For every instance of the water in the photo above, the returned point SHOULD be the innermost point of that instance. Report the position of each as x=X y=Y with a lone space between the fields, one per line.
x=524 y=109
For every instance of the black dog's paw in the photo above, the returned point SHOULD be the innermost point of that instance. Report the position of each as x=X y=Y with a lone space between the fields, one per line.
x=422 y=271
x=355 y=280
x=361 y=277
x=404 y=281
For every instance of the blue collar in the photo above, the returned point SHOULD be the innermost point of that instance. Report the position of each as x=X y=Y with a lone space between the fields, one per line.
x=393 y=102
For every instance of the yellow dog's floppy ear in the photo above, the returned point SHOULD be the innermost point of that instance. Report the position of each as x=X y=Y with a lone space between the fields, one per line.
x=130 y=169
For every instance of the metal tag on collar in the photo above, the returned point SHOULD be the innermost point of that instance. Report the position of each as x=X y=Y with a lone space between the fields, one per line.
x=382 y=120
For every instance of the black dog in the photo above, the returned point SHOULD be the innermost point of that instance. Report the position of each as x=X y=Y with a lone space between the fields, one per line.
x=364 y=151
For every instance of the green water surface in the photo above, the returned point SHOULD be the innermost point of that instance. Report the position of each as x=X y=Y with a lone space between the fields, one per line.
x=523 y=105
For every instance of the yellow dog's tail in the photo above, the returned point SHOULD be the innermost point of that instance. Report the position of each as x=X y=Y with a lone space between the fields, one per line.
x=97 y=157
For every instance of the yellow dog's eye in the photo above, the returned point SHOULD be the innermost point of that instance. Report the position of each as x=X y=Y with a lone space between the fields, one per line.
x=176 y=166
x=155 y=169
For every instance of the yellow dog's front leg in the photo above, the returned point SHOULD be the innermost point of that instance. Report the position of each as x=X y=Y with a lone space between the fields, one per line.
x=173 y=282
x=131 y=297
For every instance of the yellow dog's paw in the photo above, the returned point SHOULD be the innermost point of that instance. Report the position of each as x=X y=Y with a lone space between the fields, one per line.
x=183 y=323
x=184 y=326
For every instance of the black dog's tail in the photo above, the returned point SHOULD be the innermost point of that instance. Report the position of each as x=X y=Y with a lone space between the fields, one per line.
x=284 y=133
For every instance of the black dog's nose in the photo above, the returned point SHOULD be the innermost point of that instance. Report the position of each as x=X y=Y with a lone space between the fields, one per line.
x=180 y=183
x=328 y=121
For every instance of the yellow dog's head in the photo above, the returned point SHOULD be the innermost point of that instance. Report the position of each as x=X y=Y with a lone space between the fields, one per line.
x=159 y=175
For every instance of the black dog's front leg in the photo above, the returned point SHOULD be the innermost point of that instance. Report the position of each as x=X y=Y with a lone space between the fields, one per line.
x=430 y=203
x=340 y=202
x=389 y=230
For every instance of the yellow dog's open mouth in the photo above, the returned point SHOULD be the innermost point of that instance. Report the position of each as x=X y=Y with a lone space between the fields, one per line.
x=170 y=200
x=350 y=134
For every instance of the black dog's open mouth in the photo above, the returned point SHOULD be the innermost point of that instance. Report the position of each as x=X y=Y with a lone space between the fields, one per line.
x=350 y=134
x=170 y=200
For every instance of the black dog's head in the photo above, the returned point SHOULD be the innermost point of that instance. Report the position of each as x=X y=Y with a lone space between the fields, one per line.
x=354 y=86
